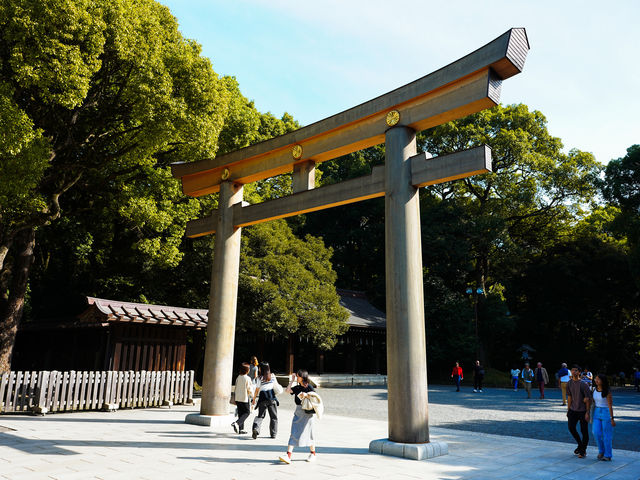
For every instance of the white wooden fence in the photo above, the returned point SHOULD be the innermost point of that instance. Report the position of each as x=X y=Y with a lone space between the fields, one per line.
x=69 y=391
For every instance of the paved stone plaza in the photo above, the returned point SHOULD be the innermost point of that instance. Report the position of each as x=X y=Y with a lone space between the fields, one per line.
x=157 y=444
x=498 y=411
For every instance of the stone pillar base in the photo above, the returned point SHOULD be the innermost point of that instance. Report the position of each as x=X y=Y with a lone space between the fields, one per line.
x=413 y=451
x=212 y=421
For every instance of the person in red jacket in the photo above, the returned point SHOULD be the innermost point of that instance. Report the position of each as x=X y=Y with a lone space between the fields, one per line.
x=457 y=376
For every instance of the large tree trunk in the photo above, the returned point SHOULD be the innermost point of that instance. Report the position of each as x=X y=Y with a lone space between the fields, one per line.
x=290 y=353
x=4 y=249
x=12 y=314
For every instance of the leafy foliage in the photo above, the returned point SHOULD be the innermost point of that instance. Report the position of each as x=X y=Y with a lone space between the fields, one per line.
x=622 y=188
x=97 y=98
x=286 y=286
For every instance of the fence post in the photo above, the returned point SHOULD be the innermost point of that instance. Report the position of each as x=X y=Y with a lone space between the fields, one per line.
x=40 y=407
x=108 y=405
x=189 y=392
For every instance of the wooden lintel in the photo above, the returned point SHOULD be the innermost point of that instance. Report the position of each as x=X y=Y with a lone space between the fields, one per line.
x=430 y=171
x=424 y=171
x=466 y=86
x=348 y=191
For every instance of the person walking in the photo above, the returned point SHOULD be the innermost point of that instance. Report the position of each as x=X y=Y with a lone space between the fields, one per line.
x=253 y=370
x=527 y=378
x=578 y=405
x=266 y=401
x=563 y=378
x=636 y=378
x=603 y=421
x=243 y=396
x=457 y=375
x=478 y=376
x=542 y=378
x=587 y=377
x=302 y=425
x=515 y=374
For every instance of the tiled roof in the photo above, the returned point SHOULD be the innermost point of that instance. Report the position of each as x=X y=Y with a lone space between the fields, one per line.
x=104 y=310
x=361 y=313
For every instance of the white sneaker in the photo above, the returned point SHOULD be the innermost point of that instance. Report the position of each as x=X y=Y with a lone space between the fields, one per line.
x=311 y=457
x=480 y=390
x=285 y=459
x=474 y=390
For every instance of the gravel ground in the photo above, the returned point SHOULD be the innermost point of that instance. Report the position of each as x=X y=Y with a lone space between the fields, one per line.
x=497 y=411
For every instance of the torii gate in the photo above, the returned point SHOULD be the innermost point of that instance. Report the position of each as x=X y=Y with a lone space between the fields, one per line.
x=468 y=85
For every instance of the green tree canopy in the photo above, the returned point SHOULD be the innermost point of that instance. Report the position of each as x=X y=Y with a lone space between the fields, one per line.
x=477 y=232
x=97 y=98
x=150 y=99
x=501 y=220
x=621 y=187
x=287 y=286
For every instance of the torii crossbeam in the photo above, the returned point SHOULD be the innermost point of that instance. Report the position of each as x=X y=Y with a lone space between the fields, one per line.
x=466 y=86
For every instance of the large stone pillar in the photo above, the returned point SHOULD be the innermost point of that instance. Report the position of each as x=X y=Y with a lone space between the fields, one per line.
x=406 y=345
x=223 y=300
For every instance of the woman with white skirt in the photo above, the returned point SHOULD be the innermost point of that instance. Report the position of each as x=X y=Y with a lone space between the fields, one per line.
x=302 y=426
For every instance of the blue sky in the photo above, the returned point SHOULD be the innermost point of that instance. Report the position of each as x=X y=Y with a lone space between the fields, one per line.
x=315 y=59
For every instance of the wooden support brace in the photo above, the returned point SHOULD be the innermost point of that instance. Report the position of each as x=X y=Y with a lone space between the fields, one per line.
x=424 y=171
x=304 y=176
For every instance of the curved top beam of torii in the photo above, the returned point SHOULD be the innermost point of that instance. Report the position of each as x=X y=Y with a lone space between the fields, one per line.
x=466 y=86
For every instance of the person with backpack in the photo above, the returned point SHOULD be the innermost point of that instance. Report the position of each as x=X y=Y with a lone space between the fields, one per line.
x=265 y=401
x=527 y=378
x=563 y=377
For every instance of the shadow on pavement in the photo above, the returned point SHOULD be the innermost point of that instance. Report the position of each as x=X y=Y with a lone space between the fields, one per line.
x=539 y=430
x=64 y=446
x=69 y=417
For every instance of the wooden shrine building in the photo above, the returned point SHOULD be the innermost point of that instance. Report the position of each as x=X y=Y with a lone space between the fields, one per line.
x=110 y=335
x=122 y=336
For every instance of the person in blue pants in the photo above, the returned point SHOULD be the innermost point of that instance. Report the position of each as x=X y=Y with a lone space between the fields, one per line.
x=515 y=373
x=457 y=375
x=603 y=421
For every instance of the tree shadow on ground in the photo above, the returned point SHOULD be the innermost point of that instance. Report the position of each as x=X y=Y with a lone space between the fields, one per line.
x=551 y=430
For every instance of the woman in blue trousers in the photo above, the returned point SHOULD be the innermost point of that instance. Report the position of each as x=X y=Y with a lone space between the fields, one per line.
x=603 y=421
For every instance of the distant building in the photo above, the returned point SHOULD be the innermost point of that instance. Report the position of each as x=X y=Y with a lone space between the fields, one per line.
x=114 y=335
x=110 y=335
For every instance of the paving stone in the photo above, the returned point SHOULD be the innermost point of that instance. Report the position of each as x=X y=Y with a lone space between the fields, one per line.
x=156 y=443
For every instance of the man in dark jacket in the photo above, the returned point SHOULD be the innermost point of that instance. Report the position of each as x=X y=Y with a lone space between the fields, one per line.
x=542 y=378
x=579 y=402
x=478 y=376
